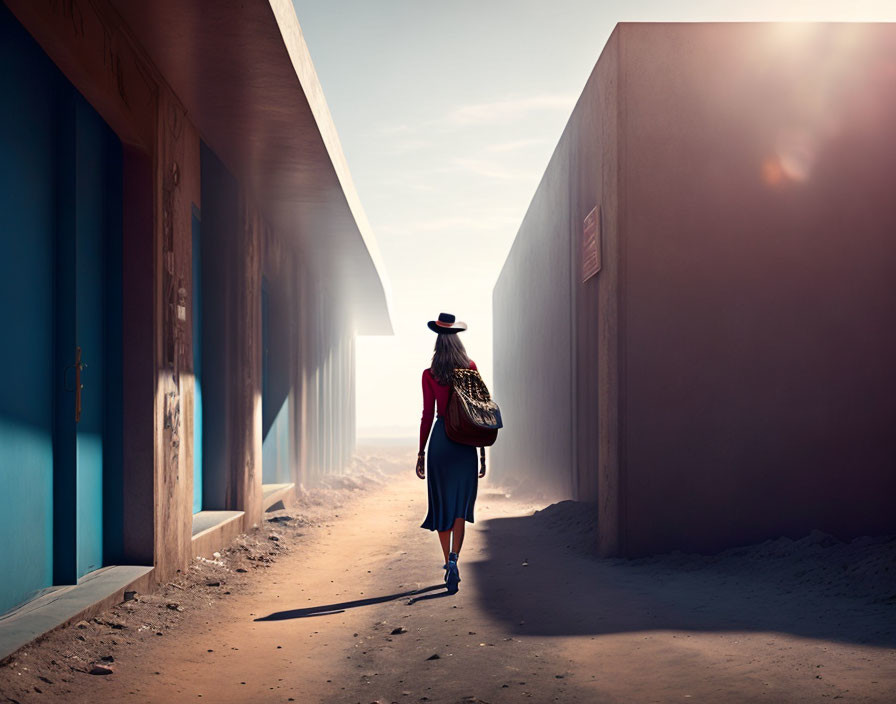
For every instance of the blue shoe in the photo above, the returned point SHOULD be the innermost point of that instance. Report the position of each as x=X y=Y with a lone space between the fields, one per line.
x=452 y=574
x=445 y=566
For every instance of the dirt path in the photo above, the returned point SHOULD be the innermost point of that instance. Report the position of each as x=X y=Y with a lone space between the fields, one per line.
x=356 y=613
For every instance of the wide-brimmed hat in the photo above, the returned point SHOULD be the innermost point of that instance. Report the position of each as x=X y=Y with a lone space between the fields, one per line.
x=446 y=325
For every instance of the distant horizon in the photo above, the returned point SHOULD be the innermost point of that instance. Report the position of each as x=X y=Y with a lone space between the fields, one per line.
x=387 y=432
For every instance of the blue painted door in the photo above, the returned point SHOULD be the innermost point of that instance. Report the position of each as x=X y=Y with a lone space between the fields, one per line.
x=197 y=362
x=90 y=233
x=88 y=196
x=88 y=332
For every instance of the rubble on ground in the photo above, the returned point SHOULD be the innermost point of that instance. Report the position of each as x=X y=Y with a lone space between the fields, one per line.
x=862 y=568
x=89 y=647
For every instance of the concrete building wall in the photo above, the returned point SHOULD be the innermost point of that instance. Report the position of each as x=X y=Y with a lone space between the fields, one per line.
x=738 y=330
x=300 y=233
x=593 y=184
x=761 y=263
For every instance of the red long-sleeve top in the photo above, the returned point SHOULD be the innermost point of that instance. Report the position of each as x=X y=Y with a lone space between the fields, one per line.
x=433 y=392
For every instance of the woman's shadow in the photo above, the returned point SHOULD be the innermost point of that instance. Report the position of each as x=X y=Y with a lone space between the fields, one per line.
x=329 y=609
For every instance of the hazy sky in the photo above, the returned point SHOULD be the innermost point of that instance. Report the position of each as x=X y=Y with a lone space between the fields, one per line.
x=448 y=114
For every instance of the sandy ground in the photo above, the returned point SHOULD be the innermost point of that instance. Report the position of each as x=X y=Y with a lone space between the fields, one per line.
x=340 y=599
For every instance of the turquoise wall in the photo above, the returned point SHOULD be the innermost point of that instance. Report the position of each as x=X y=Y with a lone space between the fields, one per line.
x=275 y=448
x=275 y=387
x=60 y=288
x=197 y=361
x=218 y=239
x=27 y=232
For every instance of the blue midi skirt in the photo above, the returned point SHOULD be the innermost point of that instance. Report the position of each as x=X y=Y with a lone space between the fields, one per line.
x=451 y=478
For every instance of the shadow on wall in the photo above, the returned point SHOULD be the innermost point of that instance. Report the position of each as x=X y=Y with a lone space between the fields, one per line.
x=540 y=580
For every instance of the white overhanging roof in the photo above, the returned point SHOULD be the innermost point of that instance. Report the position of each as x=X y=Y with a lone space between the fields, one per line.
x=244 y=74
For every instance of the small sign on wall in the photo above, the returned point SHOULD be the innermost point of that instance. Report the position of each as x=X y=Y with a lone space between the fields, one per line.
x=591 y=244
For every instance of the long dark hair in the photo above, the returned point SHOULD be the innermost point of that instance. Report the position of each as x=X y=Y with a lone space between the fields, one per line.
x=449 y=355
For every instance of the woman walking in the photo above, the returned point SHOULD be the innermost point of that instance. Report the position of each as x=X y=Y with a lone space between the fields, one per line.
x=451 y=466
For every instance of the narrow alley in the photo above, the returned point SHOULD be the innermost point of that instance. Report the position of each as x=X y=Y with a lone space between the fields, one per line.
x=353 y=610
x=618 y=278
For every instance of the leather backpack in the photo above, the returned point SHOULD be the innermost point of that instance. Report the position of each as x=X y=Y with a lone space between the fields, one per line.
x=472 y=418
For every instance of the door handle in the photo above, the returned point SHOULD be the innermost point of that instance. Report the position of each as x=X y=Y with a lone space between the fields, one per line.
x=78 y=366
x=78 y=385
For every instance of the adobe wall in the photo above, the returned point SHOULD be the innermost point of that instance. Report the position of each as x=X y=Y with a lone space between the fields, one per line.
x=759 y=296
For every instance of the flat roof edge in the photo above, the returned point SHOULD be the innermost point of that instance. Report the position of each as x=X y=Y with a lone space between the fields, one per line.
x=294 y=40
